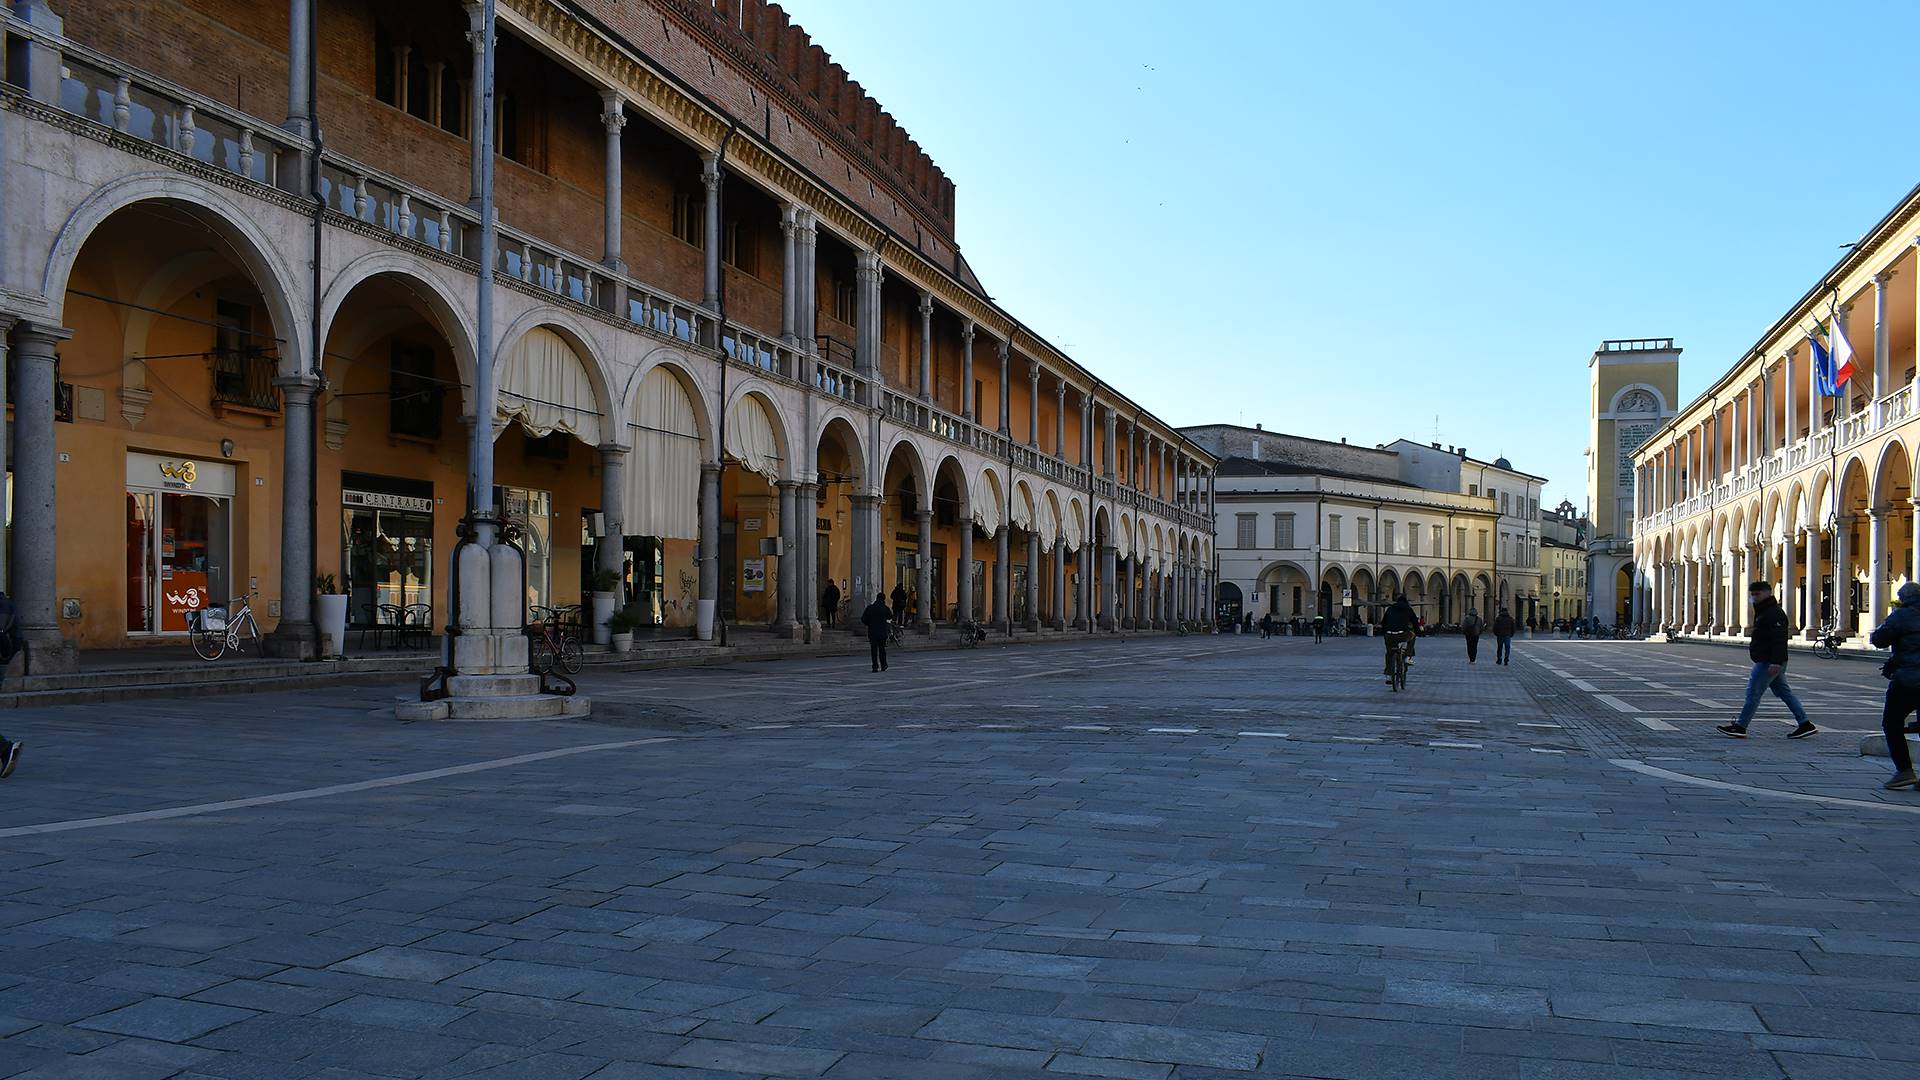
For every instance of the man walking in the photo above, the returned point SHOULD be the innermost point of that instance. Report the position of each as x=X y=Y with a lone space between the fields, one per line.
x=878 y=621
x=830 y=603
x=1901 y=633
x=1471 y=628
x=1502 y=637
x=1319 y=628
x=1768 y=651
x=900 y=603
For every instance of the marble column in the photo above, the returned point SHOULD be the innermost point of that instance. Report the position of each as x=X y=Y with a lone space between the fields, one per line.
x=1810 y=606
x=790 y=275
x=1002 y=593
x=923 y=571
x=868 y=577
x=926 y=346
x=1033 y=404
x=711 y=179
x=1789 y=596
x=1033 y=580
x=609 y=553
x=966 y=370
x=1059 y=584
x=299 y=64
x=709 y=570
x=786 y=564
x=1129 y=568
x=1109 y=571
x=807 y=583
x=1882 y=363
x=806 y=293
x=1107 y=447
x=1006 y=396
x=963 y=572
x=1842 y=572
x=866 y=340
x=36 y=538
x=1876 y=564
x=613 y=116
x=1060 y=421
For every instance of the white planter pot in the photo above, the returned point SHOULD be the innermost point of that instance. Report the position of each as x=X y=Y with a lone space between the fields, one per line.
x=330 y=618
x=621 y=643
x=603 y=605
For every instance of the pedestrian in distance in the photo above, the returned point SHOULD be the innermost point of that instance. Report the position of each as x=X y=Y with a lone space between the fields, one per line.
x=878 y=620
x=1767 y=648
x=1266 y=626
x=1319 y=629
x=1471 y=628
x=900 y=604
x=1901 y=633
x=1503 y=628
x=1397 y=625
x=829 y=603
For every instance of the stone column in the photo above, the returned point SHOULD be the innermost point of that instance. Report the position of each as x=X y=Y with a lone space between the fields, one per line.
x=6 y=443
x=1876 y=564
x=707 y=604
x=1059 y=584
x=966 y=370
x=869 y=546
x=613 y=116
x=1789 y=595
x=926 y=346
x=1106 y=448
x=786 y=593
x=1033 y=404
x=866 y=340
x=1842 y=571
x=1002 y=594
x=296 y=637
x=1128 y=596
x=711 y=179
x=1810 y=607
x=35 y=537
x=1882 y=363
x=806 y=293
x=789 y=275
x=1033 y=580
x=807 y=584
x=1109 y=572
x=1006 y=396
x=610 y=553
x=963 y=574
x=923 y=571
x=476 y=97
x=1060 y=421
x=299 y=59
x=1086 y=432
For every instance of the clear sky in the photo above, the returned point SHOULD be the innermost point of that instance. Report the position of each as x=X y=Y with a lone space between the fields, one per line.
x=1348 y=220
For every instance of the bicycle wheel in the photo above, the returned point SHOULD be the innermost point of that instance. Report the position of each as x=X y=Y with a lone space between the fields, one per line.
x=1824 y=649
x=540 y=654
x=209 y=644
x=570 y=655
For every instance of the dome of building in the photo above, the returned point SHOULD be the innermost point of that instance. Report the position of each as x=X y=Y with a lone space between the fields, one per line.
x=1502 y=463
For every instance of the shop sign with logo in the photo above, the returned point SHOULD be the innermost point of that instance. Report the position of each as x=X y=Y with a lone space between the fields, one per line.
x=156 y=472
x=380 y=500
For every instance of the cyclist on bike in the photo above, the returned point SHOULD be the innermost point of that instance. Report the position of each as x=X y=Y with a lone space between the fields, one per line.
x=1399 y=623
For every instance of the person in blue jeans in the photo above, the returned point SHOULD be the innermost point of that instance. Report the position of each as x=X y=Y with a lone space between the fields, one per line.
x=1768 y=651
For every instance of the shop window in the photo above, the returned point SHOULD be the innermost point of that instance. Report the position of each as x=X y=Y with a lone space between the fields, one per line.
x=690 y=218
x=414 y=396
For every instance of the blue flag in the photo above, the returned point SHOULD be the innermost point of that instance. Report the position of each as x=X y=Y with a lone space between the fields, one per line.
x=1822 y=366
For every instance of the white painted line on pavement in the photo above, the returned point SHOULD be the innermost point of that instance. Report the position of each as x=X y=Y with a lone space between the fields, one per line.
x=1543 y=750
x=1616 y=703
x=844 y=725
x=1721 y=785
x=1173 y=731
x=999 y=727
x=767 y=727
x=321 y=792
x=1652 y=724
x=1086 y=727
x=1457 y=745
x=1445 y=721
x=1357 y=738
x=1263 y=734
x=910 y=725
x=1556 y=727
x=1578 y=684
x=1233 y=710
x=1373 y=716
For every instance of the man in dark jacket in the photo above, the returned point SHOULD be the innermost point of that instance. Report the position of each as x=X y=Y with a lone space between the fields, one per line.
x=1503 y=637
x=830 y=603
x=1319 y=629
x=1768 y=650
x=1471 y=628
x=1901 y=633
x=878 y=620
x=900 y=604
x=1397 y=625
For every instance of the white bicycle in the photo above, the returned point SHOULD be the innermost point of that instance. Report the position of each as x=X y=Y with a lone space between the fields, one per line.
x=215 y=630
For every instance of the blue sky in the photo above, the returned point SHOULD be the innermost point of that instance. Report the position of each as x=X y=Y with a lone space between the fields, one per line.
x=1348 y=220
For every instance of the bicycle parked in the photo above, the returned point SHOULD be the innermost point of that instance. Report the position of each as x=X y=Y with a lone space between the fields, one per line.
x=553 y=640
x=972 y=634
x=215 y=630
x=1827 y=645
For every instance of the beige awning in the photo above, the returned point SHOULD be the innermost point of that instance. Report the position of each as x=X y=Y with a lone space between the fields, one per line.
x=751 y=440
x=544 y=385
x=663 y=472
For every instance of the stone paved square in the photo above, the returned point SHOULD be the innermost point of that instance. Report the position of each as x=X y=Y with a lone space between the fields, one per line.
x=1154 y=857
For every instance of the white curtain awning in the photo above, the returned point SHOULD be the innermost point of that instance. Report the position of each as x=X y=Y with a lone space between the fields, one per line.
x=1045 y=522
x=544 y=385
x=989 y=505
x=1078 y=533
x=663 y=472
x=750 y=438
x=1123 y=539
x=1022 y=509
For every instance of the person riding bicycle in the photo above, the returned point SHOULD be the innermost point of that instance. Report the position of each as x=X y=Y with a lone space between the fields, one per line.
x=1399 y=624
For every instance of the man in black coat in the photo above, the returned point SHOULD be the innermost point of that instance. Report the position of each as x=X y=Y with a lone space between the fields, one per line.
x=1400 y=623
x=900 y=604
x=830 y=603
x=1768 y=651
x=878 y=621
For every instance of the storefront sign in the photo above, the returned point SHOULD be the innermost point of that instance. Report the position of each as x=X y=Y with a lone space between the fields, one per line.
x=753 y=575
x=154 y=472
x=379 y=500
x=182 y=471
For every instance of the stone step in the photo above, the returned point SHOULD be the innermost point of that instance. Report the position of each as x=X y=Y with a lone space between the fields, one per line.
x=496 y=709
x=485 y=686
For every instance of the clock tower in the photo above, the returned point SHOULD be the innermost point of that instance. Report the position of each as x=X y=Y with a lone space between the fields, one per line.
x=1633 y=389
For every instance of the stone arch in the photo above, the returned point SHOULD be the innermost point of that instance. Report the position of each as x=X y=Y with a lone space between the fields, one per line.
x=440 y=303
x=752 y=393
x=949 y=470
x=1892 y=472
x=568 y=329
x=1060 y=523
x=908 y=451
x=211 y=207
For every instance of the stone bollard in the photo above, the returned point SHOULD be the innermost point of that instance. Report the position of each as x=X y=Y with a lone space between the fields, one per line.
x=1876 y=746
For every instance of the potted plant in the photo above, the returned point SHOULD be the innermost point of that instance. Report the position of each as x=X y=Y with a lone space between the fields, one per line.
x=620 y=626
x=330 y=615
x=604 y=586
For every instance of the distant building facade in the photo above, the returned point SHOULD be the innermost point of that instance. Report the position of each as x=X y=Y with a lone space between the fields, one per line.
x=1306 y=527
x=1634 y=389
x=1515 y=494
x=1563 y=563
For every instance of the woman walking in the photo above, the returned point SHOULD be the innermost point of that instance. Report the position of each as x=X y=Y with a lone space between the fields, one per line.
x=1901 y=633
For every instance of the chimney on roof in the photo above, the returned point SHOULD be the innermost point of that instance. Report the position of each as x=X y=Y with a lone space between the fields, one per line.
x=1259 y=426
x=1343 y=440
x=1463 y=453
x=1436 y=446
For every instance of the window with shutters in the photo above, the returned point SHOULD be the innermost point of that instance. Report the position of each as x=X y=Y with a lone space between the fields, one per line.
x=1333 y=531
x=1283 y=530
x=1386 y=538
x=1483 y=544
x=1460 y=542
x=1366 y=538
x=1439 y=540
x=1243 y=530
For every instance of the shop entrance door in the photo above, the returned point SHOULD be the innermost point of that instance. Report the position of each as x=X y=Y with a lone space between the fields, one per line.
x=179 y=541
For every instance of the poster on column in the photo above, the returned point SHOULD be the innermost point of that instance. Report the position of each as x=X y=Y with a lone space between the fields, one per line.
x=753 y=575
